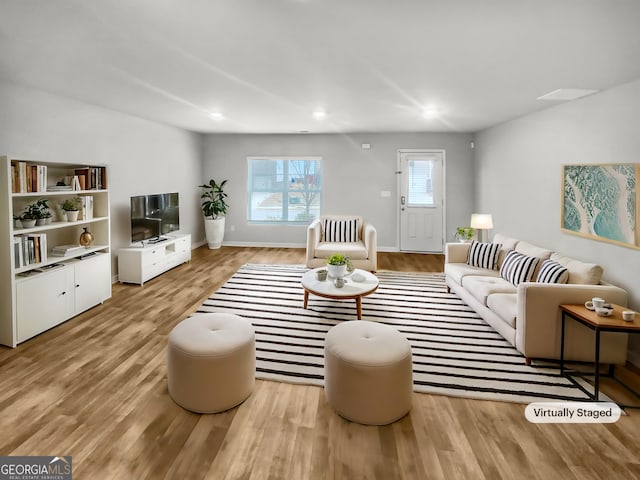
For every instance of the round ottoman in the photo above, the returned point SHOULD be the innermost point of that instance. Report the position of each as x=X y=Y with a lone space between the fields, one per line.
x=368 y=372
x=211 y=362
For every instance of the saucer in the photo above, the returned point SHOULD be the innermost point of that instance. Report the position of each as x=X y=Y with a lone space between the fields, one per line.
x=593 y=309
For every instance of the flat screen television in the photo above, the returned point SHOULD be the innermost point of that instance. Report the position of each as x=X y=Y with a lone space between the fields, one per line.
x=154 y=215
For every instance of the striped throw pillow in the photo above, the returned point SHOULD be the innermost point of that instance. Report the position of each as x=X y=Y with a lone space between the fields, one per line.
x=518 y=268
x=341 y=230
x=484 y=255
x=552 y=272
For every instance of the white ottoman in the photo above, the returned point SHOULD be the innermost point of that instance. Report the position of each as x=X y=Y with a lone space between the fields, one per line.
x=368 y=374
x=211 y=362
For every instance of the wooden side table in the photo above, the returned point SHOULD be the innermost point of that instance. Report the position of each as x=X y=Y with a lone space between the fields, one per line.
x=590 y=319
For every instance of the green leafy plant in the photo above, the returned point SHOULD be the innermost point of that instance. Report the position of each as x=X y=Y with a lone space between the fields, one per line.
x=213 y=199
x=34 y=211
x=338 y=259
x=43 y=204
x=465 y=233
x=71 y=204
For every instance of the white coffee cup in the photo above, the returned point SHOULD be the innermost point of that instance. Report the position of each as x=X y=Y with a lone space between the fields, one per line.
x=604 y=312
x=628 y=315
x=594 y=303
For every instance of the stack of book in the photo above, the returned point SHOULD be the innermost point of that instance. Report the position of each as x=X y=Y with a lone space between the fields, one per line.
x=86 y=207
x=92 y=178
x=26 y=177
x=66 y=250
x=29 y=249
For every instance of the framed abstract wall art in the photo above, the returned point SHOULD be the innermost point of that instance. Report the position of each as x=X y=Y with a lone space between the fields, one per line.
x=602 y=202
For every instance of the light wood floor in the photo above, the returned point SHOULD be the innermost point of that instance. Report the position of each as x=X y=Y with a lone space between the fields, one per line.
x=95 y=388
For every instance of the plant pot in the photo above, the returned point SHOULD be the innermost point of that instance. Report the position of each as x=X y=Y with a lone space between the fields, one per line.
x=214 y=231
x=26 y=223
x=41 y=221
x=337 y=271
x=72 y=215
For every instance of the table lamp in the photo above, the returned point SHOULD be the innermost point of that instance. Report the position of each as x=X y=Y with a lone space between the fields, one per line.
x=482 y=222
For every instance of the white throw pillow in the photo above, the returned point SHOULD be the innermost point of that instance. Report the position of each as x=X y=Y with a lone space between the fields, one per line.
x=518 y=268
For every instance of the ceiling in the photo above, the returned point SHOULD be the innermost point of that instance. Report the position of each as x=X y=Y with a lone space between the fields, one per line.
x=371 y=65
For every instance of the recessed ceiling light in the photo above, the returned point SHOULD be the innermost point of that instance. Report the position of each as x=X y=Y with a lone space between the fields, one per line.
x=430 y=111
x=319 y=114
x=565 y=94
x=216 y=116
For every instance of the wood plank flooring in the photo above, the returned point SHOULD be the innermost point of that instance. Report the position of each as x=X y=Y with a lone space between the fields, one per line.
x=95 y=388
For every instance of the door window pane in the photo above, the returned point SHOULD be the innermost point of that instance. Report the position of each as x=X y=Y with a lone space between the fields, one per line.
x=420 y=183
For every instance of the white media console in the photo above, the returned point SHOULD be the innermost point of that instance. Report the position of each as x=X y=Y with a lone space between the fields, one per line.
x=138 y=264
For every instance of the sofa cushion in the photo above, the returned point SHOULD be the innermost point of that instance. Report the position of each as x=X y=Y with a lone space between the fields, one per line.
x=483 y=255
x=532 y=251
x=518 y=268
x=579 y=272
x=457 y=271
x=343 y=230
x=505 y=305
x=481 y=287
x=552 y=272
x=354 y=250
x=508 y=243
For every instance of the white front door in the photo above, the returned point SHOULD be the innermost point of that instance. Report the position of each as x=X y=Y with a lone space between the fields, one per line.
x=421 y=200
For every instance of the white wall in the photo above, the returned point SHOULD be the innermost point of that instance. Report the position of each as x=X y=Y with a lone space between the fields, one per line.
x=352 y=178
x=143 y=156
x=518 y=167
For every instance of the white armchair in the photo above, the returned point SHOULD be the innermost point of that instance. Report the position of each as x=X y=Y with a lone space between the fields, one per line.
x=363 y=252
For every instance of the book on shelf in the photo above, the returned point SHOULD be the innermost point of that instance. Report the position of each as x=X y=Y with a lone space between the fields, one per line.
x=86 y=207
x=66 y=250
x=27 y=177
x=29 y=249
x=93 y=178
x=59 y=188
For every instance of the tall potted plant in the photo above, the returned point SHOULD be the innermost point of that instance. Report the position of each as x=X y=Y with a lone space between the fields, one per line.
x=214 y=209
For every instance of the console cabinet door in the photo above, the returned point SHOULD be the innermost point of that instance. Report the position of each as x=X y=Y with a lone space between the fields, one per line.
x=92 y=281
x=43 y=302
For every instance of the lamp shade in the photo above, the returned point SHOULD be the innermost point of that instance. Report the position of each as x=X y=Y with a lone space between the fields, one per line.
x=481 y=221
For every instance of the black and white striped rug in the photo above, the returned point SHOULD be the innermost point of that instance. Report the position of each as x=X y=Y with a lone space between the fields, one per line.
x=455 y=352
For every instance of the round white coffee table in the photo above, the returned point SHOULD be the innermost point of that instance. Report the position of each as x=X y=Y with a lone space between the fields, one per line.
x=351 y=290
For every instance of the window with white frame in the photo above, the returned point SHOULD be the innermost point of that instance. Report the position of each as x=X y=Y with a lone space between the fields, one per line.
x=284 y=189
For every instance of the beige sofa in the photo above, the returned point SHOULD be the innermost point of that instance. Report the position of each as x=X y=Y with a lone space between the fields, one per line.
x=363 y=253
x=528 y=315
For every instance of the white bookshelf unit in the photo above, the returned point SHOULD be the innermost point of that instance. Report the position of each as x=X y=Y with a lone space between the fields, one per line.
x=140 y=263
x=39 y=290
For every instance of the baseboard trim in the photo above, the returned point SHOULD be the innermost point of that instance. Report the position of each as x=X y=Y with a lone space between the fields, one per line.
x=633 y=357
x=286 y=245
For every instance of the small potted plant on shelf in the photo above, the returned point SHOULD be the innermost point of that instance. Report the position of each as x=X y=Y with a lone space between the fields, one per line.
x=465 y=234
x=214 y=209
x=45 y=213
x=338 y=265
x=30 y=216
x=71 y=206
